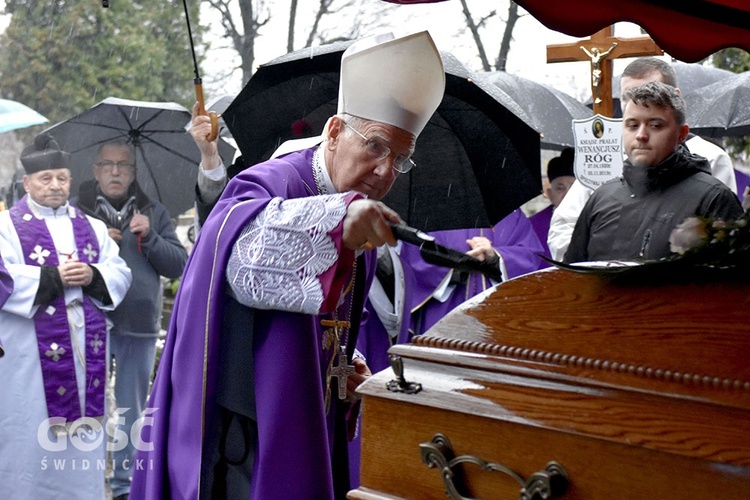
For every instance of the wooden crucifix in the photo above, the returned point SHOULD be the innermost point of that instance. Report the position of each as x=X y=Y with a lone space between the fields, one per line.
x=600 y=49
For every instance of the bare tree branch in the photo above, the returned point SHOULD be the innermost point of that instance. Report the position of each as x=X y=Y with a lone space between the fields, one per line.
x=474 y=28
x=323 y=9
x=242 y=40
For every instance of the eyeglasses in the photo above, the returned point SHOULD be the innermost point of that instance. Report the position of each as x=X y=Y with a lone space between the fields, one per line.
x=110 y=165
x=380 y=151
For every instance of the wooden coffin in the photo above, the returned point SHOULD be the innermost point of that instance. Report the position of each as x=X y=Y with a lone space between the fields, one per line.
x=571 y=385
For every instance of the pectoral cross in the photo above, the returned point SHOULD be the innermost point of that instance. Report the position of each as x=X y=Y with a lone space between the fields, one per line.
x=607 y=47
x=67 y=255
x=342 y=371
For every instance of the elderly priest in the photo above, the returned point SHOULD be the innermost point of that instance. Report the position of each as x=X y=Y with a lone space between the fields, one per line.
x=66 y=272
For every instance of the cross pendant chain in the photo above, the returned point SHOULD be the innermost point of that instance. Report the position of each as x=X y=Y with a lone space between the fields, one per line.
x=333 y=334
x=341 y=372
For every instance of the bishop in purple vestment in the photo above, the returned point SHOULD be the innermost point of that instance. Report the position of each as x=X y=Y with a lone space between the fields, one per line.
x=254 y=387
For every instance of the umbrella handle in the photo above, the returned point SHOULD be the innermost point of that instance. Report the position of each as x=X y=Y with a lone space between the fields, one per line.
x=211 y=136
x=202 y=111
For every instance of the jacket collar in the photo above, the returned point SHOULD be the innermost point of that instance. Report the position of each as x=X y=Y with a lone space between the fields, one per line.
x=673 y=169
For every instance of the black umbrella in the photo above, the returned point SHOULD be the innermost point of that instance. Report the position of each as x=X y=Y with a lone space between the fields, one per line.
x=551 y=110
x=721 y=109
x=478 y=157
x=166 y=156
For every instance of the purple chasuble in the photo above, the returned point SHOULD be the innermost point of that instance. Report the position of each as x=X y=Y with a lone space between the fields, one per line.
x=293 y=454
x=56 y=349
x=513 y=237
x=540 y=222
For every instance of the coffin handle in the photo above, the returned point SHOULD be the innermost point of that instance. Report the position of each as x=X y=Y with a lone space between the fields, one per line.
x=541 y=485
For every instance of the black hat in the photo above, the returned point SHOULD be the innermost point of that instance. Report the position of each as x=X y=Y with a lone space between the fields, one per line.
x=561 y=165
x=44 y=154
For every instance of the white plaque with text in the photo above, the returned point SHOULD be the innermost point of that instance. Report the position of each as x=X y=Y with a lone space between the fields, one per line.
x=598 y=143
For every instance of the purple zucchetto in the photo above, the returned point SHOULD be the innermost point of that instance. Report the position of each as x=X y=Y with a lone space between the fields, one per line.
x=44 y=154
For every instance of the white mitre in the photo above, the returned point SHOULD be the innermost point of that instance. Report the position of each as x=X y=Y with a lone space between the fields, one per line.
x=397 y=81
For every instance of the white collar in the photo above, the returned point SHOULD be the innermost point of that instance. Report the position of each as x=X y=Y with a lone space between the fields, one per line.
x=323 y=170
x=41 y=212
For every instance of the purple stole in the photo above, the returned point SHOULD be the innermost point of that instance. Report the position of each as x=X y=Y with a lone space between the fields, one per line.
x=56 y=352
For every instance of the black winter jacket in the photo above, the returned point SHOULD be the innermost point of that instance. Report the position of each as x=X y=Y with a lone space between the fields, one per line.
x=631 y=218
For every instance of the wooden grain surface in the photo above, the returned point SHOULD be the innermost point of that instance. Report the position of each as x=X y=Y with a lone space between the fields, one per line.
x=639 y=391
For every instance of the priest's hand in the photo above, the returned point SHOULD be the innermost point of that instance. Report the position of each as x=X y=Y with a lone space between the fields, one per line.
x=361 y=373
x=481 y=248
x=75 y=273
x=366 y=225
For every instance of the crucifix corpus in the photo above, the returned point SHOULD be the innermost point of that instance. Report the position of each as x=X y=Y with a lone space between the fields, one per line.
x=600 y=49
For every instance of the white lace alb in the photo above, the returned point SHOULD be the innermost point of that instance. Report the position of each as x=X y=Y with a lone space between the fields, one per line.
x=276 y=261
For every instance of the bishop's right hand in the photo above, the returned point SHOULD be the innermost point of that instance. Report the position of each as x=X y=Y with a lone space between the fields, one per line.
x=366 y=225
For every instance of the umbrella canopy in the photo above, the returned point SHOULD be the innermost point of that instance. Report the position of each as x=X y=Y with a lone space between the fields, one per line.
x=691 y=78
x=166 y=156
x=721 y=109
x=551 y=110
x=477 y=158
x=14 y=115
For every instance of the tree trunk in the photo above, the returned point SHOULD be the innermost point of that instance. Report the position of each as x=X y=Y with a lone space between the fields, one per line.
x=246 y=45
x=292 y=18
x=502 y=57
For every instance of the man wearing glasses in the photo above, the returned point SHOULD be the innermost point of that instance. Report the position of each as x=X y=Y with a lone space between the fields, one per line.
x=149 y=245
x=254 y=391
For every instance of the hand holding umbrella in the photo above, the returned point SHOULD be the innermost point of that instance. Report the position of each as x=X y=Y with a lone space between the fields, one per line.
x=201 y=104
x=203 y=132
